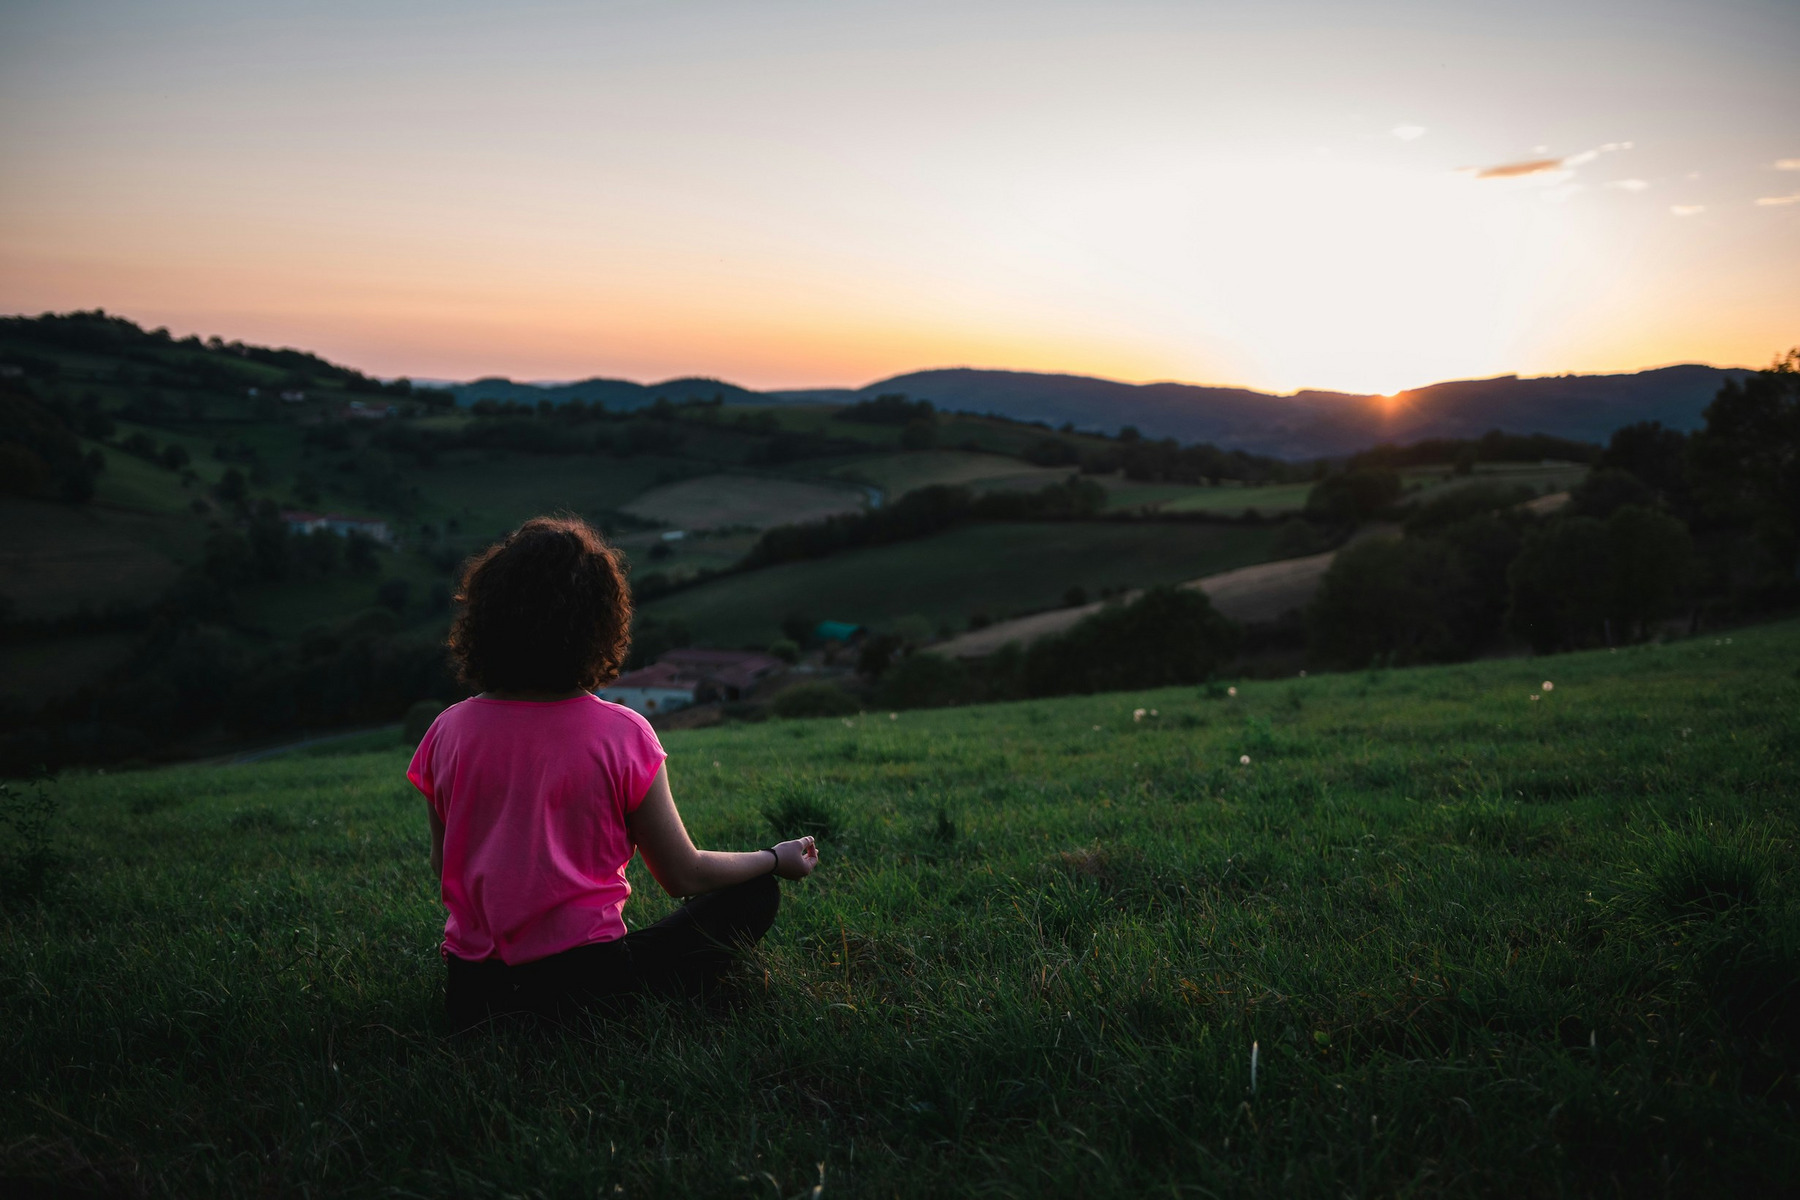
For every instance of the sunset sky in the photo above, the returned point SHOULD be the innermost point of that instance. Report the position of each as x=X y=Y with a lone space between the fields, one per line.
x=1280 y=195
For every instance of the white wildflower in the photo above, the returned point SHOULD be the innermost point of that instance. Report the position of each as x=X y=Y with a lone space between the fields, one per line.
x=1096 y=729
x=1153 y=712
x=893 y=716
x=1137 y=714
x=1536 y=697
x=1548 y=686
x=1243 y=760
x=1231 y=691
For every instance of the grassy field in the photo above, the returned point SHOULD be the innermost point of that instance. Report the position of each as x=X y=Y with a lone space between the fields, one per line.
x=1444 y=932
x=1000 y=570
x=1277 y=498
x=716 y=501
x=898 y=474
x=56 y=557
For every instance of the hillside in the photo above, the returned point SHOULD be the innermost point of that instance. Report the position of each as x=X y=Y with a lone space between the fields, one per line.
x=154 y=600
x=1433 y=931
x=1306 y=424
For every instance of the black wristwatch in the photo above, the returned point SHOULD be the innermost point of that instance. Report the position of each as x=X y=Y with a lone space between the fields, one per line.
x=777 y=865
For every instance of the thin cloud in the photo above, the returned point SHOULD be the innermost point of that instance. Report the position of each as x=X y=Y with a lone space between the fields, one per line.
x=1408 y=133
x=1538 y=166
x=1629 y=185
x=1686 y=210
x=1588 y=156
x=1770 y=200
x=1530 y=166
x=1787 y=164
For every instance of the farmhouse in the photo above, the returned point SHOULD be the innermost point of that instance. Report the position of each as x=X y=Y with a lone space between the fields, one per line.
x=359 y=411
x=660 y=688
x=691 y=676
x=724 y=674
x=310 y=522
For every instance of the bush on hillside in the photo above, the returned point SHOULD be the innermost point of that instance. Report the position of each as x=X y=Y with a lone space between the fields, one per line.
x=39 y=452
x=1745 y=464
x=925 y=681
x=1466 y=502
x=418 y=720
x=1353 y=496
x=817 y=699
x=1580 y=581
x=1169 y=635
x=1605 y=491
x=1388 y=600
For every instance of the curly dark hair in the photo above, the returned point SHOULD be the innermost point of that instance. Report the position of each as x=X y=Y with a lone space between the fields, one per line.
x=546 y=609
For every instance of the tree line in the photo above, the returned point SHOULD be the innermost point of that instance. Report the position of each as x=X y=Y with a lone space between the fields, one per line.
x=1667 y=525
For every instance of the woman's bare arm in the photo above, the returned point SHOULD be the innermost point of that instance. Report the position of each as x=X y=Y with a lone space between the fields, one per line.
x=437 y=843
x=683 y=870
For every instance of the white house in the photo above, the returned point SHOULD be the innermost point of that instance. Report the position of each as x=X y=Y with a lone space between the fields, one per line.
x=310 y=522
x=661 y=688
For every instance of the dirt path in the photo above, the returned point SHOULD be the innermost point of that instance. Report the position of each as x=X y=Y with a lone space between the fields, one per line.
x=1259 y=593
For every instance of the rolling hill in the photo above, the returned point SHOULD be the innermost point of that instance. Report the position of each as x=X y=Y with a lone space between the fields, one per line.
x=1306 y=424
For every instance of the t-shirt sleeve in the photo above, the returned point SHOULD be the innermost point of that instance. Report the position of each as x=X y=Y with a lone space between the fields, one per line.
x=418 y=773
x=641 y=759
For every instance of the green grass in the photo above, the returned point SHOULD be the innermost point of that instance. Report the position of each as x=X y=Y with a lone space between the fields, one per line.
x=1277 y=498
x=1480 y=943
x=1001 y=570
x=898 y=474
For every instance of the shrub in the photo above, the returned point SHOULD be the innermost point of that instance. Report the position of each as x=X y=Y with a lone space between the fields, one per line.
x=1353 y=496
x=797 y=812
x=1581 y=581
x=418 y=719
x=924 y=681
x=817 y=699
x=1167 y=636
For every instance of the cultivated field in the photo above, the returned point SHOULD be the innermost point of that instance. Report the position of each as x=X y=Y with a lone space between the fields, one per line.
x=998 y=570
x=718 y=501
x=898 y=474
x=1264 y=592
x=1427 y=932
x=56 y=557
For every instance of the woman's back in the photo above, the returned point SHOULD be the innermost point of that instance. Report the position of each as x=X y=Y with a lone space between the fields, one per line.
x=533 y=797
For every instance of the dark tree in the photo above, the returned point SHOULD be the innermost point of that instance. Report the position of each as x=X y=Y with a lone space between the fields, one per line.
x=1746 y=462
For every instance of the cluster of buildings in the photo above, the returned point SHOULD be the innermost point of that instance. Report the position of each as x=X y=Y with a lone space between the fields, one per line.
x=338 y=523
x=691 y=676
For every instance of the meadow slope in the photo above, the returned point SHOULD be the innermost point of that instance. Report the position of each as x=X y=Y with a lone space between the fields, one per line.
x=1444 y=932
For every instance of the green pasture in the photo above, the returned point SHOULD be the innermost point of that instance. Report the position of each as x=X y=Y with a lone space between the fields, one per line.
x=1001 y=570
x=489 y=496
x=1476 y=937
x=898 y=474
x=1424 y=485
x=1276 y=498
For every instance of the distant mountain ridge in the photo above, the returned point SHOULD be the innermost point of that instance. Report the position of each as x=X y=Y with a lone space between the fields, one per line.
x=1305 y=424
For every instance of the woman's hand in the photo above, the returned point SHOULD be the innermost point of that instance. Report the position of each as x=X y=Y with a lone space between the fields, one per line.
x=795 y=859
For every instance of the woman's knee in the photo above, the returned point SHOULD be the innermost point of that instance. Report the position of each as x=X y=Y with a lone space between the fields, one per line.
x=753 y=904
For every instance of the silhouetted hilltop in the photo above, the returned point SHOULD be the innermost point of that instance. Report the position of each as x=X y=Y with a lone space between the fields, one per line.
x=617 y=394
x=1305 y=424
x=1311 y=423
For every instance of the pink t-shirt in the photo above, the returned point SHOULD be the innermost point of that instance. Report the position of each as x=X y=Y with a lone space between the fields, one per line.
x=533 y=797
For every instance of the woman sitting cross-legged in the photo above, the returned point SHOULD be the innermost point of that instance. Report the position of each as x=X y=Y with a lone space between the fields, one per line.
x=539 y=792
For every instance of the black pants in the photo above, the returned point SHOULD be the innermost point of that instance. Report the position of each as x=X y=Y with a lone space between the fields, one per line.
x=684 y=954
